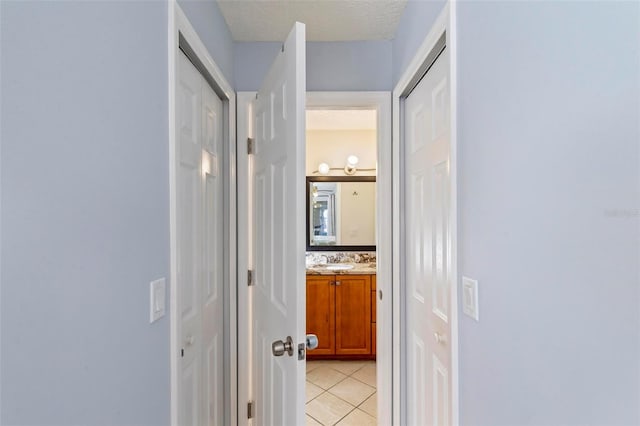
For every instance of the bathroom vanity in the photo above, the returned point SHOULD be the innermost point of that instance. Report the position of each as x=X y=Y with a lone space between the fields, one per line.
x=341 y=311
x=341 y=268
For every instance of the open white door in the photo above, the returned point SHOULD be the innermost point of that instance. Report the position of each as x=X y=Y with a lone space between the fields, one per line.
x=278 y=238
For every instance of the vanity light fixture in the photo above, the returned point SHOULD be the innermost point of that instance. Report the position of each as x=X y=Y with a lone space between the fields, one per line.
x=350 y=168
x=323 y=168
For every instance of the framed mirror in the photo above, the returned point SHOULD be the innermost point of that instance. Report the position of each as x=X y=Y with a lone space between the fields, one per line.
x=341 y=213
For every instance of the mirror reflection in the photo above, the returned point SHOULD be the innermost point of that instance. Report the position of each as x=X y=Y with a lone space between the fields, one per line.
x=341 y=213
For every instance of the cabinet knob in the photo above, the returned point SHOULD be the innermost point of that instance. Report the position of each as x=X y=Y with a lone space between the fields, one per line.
x=338 y=283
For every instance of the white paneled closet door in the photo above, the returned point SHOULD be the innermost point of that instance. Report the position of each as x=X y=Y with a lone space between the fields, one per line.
x=200 y=252
x=428 y=248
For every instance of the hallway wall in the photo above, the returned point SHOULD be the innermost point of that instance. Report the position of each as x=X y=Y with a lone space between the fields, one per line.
x=84 y=195
x=549 y=186
x=206 y=18
x=416 y=21
x=549 y=172
x=331 y=66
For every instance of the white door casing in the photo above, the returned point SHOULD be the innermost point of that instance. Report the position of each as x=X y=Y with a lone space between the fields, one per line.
x=428 y=248
x=279 y=226
x=199 y=249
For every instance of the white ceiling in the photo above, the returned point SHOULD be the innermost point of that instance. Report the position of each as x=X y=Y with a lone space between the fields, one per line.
x=341 y=119
x=325 y=20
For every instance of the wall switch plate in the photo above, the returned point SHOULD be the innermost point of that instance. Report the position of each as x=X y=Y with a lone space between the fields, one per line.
x=157 y=299
x=470 y=298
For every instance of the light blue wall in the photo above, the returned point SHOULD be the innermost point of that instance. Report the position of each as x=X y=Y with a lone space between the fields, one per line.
x=331 y=66
x=549 y=175
x=344 y=66
x=252 y=61
x=549 y=181
x=85 y=221
x=206 y=18
x=84 y=212
x=417 y=19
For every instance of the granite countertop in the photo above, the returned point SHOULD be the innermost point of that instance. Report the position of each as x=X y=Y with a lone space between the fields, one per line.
x=356 y=269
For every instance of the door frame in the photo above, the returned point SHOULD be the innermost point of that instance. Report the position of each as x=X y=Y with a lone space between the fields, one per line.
x=245 y=262
x=381 y=101
x=182 y=35
x=445 y=23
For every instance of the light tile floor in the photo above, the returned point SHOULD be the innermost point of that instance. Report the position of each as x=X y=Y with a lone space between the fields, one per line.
x=341 y=393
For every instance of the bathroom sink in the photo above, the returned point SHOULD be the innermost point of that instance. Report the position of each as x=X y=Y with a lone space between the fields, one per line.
x=339 y=267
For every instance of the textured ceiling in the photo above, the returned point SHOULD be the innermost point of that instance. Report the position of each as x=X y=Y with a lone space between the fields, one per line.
x=325 y=20
x=341 y=119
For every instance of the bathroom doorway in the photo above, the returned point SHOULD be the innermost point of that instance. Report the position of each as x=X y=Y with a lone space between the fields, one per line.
x=343 y=135
x=381 y=371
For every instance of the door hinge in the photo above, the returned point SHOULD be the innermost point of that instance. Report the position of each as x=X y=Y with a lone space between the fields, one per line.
x=250 y=409
x=250 y=146
x=250 y=278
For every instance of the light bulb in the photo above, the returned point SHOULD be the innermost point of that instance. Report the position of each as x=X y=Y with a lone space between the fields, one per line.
x=352 y=160
x=323 y=168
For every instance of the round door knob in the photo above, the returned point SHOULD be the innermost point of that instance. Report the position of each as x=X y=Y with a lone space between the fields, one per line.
x=439 y=338
x=279 y=348
x=312 y=341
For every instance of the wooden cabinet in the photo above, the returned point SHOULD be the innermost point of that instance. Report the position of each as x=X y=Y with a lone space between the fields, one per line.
x=340 y=312
x=373 y=315
x=321 y=312
x=353 y=315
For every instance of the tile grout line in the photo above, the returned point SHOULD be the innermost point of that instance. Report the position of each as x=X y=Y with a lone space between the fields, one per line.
x=314 y=418
x=336 y=396
x=355 y=378
x=337 y=383
x=354 y=406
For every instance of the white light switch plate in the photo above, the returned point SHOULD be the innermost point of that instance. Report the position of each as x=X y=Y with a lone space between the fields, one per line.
x=157 y=299
x=470 y=298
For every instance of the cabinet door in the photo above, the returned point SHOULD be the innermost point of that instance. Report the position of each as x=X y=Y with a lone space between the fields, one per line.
x=321 y=313
x=353 y=314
